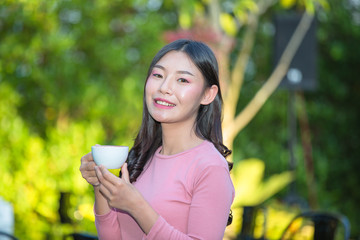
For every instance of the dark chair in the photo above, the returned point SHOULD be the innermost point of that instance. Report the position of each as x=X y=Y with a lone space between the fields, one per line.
x=7 y=235
x=81 y=236
x=325 y=225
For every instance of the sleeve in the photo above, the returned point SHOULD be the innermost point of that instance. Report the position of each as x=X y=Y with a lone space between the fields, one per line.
x=209 y=210
x=107 y=226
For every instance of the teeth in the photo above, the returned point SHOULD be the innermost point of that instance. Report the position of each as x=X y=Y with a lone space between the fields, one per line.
x=165 y=103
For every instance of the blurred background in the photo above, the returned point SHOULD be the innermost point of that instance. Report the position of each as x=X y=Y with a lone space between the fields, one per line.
x=72 y=75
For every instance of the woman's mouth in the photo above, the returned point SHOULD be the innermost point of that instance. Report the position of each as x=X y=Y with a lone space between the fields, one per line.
x=162 y=102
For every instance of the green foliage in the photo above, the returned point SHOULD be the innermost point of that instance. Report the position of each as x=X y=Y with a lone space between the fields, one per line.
x=251 y=189
x=71 y=76
x=332 y=110
x=62 y=56
x=35 y=171
x=335 y=114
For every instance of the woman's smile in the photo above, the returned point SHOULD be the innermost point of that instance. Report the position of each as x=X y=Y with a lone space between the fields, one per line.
x=162 y=103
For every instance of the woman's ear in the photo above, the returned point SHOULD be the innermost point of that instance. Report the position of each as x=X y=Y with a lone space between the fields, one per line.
x=209 y=95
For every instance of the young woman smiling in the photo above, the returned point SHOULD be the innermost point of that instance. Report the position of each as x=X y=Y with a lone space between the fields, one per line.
x=176 y=182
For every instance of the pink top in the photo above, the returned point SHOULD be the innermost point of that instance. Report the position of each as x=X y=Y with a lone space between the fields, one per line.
x=191 y=191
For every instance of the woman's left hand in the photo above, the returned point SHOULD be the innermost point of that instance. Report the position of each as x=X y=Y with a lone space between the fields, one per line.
x=119 y=192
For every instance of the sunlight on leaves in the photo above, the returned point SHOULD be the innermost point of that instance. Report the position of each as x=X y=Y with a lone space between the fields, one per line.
x=185 y=20
x=287 y=3
x=86 y=210
x=250 y=187
x=228 y=24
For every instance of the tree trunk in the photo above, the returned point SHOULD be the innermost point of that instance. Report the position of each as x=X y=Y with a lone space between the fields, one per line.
x=232 y=124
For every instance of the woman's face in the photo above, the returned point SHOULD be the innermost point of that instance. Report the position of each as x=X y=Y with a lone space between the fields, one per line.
x=175 y=89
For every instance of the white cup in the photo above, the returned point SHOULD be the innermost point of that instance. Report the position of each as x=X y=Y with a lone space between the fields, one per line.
x=110 y=156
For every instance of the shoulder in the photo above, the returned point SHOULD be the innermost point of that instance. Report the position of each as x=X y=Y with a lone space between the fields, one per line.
x=209 y=156
x=208 y=161
x=210 y=170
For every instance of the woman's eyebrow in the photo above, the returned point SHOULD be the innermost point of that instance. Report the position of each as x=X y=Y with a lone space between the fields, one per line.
x=185 y=72
x=180 y=71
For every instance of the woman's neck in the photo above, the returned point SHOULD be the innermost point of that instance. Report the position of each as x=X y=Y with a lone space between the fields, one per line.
x=178 y=139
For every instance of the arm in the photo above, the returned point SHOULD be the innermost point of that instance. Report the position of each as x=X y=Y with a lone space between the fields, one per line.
x=209 y=210
x=101 y=205
x=121 y=194
x=106 y=222
x=107 y=225
x=87 y=169
x=104 y=217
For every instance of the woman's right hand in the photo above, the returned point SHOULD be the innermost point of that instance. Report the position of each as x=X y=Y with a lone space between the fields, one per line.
x=87 y=169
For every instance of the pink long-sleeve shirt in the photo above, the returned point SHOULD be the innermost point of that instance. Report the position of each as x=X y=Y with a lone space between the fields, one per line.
x=191 y=191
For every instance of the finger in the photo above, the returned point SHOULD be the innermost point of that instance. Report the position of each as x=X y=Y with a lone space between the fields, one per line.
x=102 y=179
x=99 y=174
x=87 y=158
x=111 y=178
x=89 y=174
x=106 y=187
x=104 y=191
x=87 y=166
x=125 y=173
x=87 y=171
x=93 y=181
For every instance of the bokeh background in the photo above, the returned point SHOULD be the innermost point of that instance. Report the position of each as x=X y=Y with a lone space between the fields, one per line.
x=72 y=74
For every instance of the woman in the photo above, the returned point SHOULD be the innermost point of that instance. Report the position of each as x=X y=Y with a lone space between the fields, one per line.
x=176 y=182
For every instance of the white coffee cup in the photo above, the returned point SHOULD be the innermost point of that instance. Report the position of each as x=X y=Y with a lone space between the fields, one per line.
x=110 y=156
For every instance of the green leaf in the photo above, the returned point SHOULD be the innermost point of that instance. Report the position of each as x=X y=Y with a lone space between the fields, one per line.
x=250 y=188
x=287 y=3
x=228 y=24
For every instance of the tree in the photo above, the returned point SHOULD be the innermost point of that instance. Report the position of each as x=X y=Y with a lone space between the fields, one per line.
x=218 y=27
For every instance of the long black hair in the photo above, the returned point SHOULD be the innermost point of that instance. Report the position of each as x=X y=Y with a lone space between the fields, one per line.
x=208 y=121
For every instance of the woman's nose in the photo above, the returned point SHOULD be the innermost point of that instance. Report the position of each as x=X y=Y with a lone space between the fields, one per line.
x=166 y=86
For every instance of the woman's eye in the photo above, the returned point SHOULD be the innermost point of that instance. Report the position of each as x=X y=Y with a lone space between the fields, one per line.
x=183 y=80
x=157 y=75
